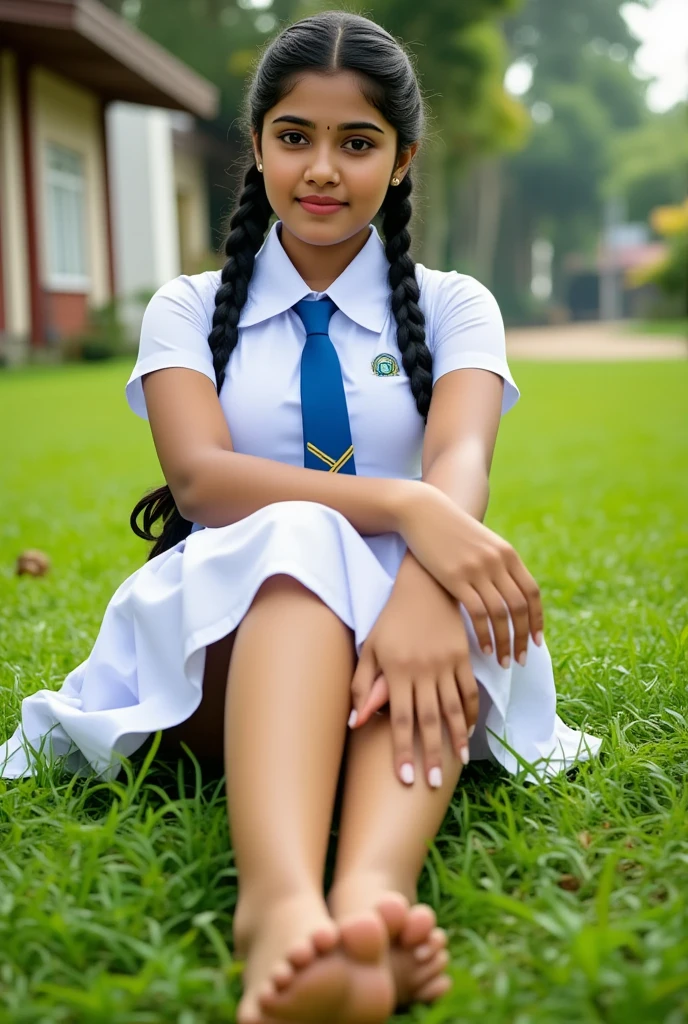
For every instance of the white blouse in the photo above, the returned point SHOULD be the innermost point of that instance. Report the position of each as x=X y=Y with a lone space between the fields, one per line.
x=260 y=396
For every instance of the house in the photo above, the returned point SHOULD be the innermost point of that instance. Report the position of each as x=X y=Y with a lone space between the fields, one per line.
x=63 y=242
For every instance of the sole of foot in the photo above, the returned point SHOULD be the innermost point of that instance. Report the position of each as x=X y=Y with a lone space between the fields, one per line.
x=338 y=975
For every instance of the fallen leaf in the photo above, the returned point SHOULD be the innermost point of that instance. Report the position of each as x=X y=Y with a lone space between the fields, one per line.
x=569 y=882
x=32 y=563
x=585 y=839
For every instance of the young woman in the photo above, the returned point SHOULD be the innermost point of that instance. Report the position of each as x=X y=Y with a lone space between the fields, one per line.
x=325 y=413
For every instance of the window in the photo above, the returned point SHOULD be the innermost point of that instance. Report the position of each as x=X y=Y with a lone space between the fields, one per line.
x=66 y=219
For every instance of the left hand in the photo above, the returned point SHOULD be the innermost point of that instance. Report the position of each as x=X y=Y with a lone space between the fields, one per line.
x=417 y=654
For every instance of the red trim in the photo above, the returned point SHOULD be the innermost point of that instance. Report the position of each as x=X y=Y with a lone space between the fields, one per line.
x=108 y=206
x=35 y=291
x=2 y=287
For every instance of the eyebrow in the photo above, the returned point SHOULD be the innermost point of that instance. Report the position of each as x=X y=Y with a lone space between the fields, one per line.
x=346 y=127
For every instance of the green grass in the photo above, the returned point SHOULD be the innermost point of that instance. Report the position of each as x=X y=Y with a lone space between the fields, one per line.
x=564 y=903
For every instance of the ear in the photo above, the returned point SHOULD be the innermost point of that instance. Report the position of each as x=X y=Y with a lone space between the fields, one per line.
x=405 y=159
x=255 y=140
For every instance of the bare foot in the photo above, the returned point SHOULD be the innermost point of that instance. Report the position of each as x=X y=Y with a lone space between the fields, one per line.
x=417 y=954
x=303 y=967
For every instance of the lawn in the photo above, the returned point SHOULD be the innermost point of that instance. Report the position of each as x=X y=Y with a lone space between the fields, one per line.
x=564 y=903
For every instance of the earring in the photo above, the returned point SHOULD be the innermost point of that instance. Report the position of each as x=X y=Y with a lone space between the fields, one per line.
x=260 y=168
x=395 y=181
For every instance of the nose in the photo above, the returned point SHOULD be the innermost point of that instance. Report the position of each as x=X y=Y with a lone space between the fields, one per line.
x=322 y=169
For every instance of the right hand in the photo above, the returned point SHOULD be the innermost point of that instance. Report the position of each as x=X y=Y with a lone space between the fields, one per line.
x=478 y=567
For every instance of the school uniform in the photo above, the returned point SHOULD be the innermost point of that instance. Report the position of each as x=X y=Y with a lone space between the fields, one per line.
x=146 y=667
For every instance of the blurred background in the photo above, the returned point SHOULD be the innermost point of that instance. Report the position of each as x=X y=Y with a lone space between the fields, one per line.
x=556 y=159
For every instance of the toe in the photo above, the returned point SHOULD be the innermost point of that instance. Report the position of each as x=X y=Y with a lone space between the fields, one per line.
x=435 y=967
x=248 y=1011
x=419 y=924
x=326 y=938
x=281 y=975
x=301 y=955
x=434 y=989
x=393 y=908
x=364 y=936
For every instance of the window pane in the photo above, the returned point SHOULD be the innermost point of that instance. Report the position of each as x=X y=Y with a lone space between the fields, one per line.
x=65 y=211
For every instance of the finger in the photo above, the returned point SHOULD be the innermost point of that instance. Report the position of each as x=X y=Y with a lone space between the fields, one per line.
x=362 y=681
x=430 y=726
x=530 y=590
x=499 y=617
x=452 y=709
x=518 y=609
x=475 y=606
x=468 y=689
x=402 y=722
x=376 y=699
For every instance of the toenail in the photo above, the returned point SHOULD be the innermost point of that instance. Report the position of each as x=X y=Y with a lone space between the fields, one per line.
x=423 y=952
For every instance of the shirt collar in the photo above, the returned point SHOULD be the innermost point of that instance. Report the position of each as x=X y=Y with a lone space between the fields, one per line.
x=361 y=291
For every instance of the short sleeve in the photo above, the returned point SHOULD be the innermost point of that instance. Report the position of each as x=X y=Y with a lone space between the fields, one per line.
x=174 y=332
x=465 y=328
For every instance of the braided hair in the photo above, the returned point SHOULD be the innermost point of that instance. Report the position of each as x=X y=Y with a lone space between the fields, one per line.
x=327 y=43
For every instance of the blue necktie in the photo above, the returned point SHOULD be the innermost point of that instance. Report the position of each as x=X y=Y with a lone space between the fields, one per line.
x=326 y=431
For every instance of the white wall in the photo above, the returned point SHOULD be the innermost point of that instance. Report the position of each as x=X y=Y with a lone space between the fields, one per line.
x=143 y=203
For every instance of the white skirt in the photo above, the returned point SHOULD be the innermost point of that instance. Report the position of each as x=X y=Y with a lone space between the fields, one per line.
x=145 y=671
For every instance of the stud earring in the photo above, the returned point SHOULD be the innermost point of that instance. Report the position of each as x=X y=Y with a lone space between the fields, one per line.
x=260 y=167
x=395 y=181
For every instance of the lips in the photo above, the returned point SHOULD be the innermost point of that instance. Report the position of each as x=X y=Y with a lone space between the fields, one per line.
x=320 y=201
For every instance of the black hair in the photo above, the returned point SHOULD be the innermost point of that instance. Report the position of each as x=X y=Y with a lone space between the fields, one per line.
x=326 y=43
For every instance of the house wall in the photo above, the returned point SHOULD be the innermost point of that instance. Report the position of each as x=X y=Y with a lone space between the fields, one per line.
x=143 y=203
x=70 y=116
x=15 y=264
x=192 y=210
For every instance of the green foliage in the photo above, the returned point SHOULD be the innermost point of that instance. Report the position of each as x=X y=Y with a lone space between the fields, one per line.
x=564 y=903
x=648 y=164
x=103 y=337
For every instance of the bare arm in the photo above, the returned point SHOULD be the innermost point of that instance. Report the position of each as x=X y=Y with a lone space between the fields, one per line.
x=213 y=485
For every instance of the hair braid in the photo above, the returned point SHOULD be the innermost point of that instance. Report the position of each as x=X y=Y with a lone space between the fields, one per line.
x=248 y=225
x=415 y=354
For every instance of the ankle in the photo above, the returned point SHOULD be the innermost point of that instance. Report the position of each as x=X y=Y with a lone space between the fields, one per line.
x=363 y=886
x=254 y=907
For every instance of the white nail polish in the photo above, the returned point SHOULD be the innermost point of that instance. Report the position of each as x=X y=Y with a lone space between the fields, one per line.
x=487 y=649
x=353 y=718
x=471 y=732
x=539 y=638
x=435 y=777
x=465 y=756
x=407 y=773
x=522 y=658
x=506 y=661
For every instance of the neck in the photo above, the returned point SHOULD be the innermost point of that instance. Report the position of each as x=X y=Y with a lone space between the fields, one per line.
x=320 y=265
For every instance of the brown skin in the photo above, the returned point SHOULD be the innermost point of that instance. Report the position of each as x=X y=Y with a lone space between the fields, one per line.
x=282 y=924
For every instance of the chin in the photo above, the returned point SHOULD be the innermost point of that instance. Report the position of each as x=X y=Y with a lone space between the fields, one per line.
x=329 y=230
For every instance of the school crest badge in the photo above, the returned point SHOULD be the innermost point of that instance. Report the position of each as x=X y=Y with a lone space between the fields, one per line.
x=385 y=365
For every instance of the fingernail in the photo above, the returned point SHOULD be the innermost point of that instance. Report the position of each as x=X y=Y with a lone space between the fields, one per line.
x=471 y=731
x=506 y=661
x=407 y=773
x=539 y=638
x=422 y=952
x=522 y=658
x=353 y=718
x=465 y=756
x=435 y=777
x=487 y=649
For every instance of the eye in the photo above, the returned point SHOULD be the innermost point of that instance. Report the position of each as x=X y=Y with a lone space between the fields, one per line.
x=368 y=144
x=291 y=135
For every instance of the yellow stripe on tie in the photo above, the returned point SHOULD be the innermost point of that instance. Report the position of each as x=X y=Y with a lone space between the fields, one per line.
x=344 y=459
x=321 y=455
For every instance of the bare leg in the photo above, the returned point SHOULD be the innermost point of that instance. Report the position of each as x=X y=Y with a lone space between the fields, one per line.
x=384 y=830
x=286 y=707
